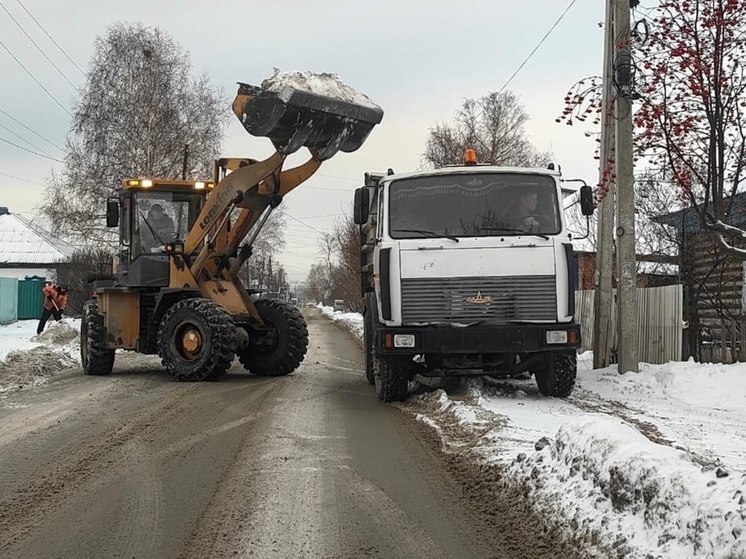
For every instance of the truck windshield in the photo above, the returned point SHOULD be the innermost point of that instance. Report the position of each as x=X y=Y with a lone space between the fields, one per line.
x=473 y=205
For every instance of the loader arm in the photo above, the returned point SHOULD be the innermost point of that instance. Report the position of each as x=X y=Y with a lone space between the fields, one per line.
x=292 y=119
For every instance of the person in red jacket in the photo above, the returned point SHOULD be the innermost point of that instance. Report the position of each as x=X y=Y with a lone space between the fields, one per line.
x=55 y=301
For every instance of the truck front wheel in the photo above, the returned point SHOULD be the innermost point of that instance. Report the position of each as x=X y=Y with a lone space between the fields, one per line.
x=391 y=377
x=557 y=377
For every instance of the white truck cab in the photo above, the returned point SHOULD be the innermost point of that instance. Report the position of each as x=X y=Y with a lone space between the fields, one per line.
x=467 y=270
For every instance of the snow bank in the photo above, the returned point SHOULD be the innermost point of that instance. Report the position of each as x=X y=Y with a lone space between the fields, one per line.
x=619 y=491
x=329 y=85
x=27 y=360
x=353 y=321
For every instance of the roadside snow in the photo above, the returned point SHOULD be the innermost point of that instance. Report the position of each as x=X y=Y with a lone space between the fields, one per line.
x=27 y=360
x=351 y=320
x=648 y=465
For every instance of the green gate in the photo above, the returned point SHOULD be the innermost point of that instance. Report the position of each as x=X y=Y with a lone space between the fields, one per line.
x=30 y=299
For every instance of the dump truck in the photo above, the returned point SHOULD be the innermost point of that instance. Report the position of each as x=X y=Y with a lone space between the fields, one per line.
x=176 y=291
x=467 y=270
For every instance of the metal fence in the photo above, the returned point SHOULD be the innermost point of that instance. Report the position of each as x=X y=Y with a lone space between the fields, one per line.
x=659 y=322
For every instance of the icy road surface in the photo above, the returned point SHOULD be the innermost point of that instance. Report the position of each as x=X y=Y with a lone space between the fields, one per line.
x=306 y=466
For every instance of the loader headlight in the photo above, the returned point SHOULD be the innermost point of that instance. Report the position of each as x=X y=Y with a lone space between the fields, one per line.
x=146 y=183
x=199 y=185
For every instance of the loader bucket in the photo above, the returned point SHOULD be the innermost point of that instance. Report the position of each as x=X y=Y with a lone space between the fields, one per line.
x=292 y=118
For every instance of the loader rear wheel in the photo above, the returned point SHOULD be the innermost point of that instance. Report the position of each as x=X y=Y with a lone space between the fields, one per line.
x=96 y=358
x=196 y=340
x=557 y=377
x=282 y=349
x=391 y=377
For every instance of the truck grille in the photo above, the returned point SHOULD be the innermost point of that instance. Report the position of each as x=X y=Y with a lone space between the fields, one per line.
x=498 y=299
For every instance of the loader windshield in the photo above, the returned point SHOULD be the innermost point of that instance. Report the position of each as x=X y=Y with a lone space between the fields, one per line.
x=474 y=205
x=163 y=217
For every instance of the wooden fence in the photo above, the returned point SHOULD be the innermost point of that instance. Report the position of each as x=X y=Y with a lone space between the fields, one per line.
x=659 y=324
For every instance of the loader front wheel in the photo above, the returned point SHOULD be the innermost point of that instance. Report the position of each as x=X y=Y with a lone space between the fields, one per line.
x=95 y=357
x=196 y=340
x=282 y=348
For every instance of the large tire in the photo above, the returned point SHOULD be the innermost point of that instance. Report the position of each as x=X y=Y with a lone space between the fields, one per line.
x=557 y=378
x=284 y=347
x=196 y=340
x=391 y=377
x=96 y=358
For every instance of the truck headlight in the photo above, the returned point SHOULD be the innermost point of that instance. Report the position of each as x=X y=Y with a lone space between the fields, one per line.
x=404 y=340
x=556 y=336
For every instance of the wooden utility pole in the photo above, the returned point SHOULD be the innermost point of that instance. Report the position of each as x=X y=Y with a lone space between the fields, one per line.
x=625 y=181
x=602 y=301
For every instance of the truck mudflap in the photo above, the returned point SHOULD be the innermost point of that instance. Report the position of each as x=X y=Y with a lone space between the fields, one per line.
x=478 y=339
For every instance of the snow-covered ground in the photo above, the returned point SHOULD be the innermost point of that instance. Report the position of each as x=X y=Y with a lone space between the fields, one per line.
x=29 y=360
x=648 y=465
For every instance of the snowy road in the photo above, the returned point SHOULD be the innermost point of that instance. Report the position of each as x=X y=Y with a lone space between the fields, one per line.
x=311 y=465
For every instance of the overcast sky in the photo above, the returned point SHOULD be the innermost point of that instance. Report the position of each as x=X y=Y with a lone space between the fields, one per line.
x=418 y=59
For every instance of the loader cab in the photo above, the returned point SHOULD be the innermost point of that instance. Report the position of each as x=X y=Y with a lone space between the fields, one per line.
x=151 y=215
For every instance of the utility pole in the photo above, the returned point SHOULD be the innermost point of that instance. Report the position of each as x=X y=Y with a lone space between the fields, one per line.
x=625 y=180
x=602 y=301
x=185 y=162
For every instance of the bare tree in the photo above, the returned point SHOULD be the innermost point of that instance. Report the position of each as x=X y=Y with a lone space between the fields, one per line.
x=493 y=125
x=139 y=108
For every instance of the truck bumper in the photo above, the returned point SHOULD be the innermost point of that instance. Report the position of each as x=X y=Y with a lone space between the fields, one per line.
x=514 y=338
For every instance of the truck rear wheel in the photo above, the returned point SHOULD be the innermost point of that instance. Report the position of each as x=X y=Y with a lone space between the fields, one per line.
x=557 y=378
x=96 y=358
x=283 y=348
x=391 y=377
x=196 y=340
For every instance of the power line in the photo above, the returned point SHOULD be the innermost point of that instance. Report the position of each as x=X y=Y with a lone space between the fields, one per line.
x=556 y=23
x=30 y=130
x=29 y=150
x=34 y=78
x=38 y=47
x=20 y=179
x=23 y=139
x=50 y=37
x=301 y=222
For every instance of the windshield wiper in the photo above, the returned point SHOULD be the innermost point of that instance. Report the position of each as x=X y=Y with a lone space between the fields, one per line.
x=157 y=238
x=509 y=230
x=428 y=233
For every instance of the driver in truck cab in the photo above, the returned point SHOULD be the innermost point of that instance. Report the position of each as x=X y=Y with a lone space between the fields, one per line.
x=526 y=217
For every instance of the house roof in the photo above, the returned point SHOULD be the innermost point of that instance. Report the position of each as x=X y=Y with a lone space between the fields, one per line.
x=689 y=219
x=22 y=242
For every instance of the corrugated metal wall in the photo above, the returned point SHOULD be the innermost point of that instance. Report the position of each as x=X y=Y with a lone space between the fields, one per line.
x=8 y=300
x=29 y=299
x=659 y=322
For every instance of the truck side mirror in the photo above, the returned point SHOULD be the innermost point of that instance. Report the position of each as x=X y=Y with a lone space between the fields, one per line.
x=361 y=210
x=112 y=212
x=587 y=205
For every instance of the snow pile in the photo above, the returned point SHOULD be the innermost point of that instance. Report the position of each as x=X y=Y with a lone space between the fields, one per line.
x=329 y=85
x=351 y=320
x=57 y=333
x=619 y=492
x=28 y=360
x=32 y=367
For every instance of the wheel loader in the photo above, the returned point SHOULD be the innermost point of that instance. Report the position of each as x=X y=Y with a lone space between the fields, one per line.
x=176 y=290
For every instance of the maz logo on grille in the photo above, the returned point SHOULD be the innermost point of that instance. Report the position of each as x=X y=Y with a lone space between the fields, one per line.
x=479 y=299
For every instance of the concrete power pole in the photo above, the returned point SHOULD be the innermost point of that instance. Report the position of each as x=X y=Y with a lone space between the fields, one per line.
x=604 y=250
x=625 y=180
